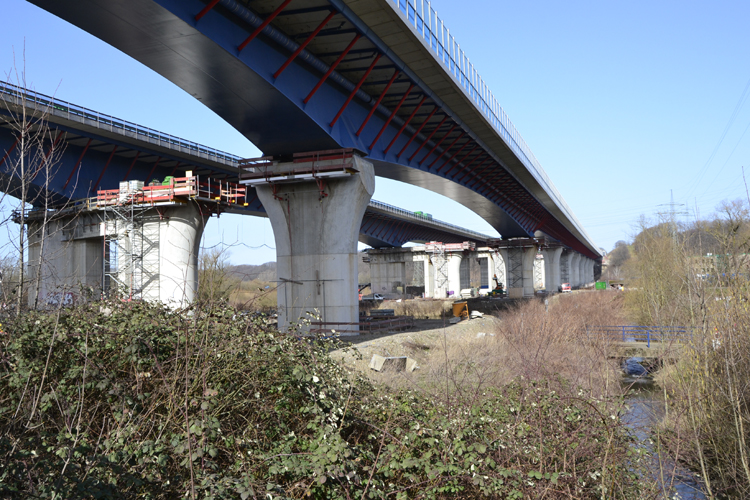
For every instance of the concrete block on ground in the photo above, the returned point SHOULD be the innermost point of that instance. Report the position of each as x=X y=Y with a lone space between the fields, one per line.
x=392 y=363
x=515 y=293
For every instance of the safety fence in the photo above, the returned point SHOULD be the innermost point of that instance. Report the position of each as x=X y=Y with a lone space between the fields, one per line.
x=15 y=95
x=375 y=325
x=647 y=334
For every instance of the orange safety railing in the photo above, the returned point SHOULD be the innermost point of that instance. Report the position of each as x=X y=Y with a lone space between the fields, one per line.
x=179 y=187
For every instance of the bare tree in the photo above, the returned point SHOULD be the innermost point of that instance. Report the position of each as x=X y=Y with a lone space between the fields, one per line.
x=28 y=167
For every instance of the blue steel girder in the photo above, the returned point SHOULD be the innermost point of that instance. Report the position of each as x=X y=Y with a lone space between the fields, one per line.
x=80 y=160
x=79 y=167
x=228 y=58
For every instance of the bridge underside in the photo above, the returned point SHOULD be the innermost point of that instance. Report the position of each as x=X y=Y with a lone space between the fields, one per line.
x=82 y=159
x=345 y=88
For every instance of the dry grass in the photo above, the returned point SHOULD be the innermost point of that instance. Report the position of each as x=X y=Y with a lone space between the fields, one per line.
x=419 y=308
x=253 y=295
x=529 y=340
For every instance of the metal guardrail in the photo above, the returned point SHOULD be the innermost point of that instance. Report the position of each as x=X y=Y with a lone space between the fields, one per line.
x=46 y=104
x=648 y=334
x=405 y=213
x=421 y=15
x=374 y=326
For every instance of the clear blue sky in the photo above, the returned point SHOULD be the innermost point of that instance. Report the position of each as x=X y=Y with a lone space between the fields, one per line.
x=619 y=101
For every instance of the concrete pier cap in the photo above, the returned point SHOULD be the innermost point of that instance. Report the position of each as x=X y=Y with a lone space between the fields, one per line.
x=316 y=222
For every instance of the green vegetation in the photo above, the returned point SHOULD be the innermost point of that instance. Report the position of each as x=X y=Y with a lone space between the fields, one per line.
x=697 y=275
x=135 y=401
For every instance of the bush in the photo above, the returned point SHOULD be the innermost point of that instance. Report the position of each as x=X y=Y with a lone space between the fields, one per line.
x=135 y=401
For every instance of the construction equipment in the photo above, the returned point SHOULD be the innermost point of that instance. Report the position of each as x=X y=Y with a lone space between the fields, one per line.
x=498 y=291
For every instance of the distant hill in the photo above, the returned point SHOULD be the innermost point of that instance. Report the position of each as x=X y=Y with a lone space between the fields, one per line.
x=246 y=272
x=267 y=271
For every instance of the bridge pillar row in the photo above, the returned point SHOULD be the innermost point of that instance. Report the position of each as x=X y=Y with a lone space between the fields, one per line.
x=585 y=270
x=552 y=278
x=316 y=229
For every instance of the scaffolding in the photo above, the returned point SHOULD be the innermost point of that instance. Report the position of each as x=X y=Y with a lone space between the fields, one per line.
x=130 y=263
x=124 y=272
x=440 y=264
x=515 y=268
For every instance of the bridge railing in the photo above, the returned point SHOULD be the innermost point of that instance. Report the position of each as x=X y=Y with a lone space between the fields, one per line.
x=400 y=211
x=46 y=104
x=421 y=15
x=648 y=334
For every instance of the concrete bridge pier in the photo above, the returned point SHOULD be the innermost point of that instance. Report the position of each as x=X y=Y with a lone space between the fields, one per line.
x=552 y=269
x=575 y=269
x=454 y=272
x=529 y=257
x=143 y=253
x=316 y=229
x=500 y=267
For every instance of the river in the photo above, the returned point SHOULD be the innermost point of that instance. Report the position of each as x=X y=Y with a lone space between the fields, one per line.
x=645 y=409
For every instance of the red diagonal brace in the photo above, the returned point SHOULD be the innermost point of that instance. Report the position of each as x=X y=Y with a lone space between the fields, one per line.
x=77 y=165
x=52 y=147
x=153 y=169
x=406 y=123
x=414 y=136
x=356 y=89
x=393 y=113
x=48 y=153
x=176 y=166
x=137 y=154
x=377 y=103
x=453 y=155
x=465 y=166
x=304 y=44
x=263 y=25
x=5 y=157
x=469 y=172
x=460 y=136
x=437 y=145
x=206 y=9
x=112 y=154
x=458 y=162
x=428 y=138
x=332 y=68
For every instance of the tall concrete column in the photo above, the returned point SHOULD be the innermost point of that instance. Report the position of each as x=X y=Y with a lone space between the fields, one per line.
x=565 y=267
x=454 y=273
x=575 y=269
x=552 y=269
x=180 y=229
x=529 y=256
x=583 y=267
x=316 y=244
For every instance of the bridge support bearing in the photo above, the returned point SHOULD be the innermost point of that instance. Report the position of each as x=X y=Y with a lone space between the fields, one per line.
x=552 y=269
x=316 y=234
